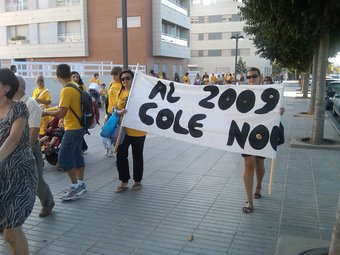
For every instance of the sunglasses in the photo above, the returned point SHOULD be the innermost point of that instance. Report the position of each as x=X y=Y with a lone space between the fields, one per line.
x=127 y=78
x=114 y=73
x=254 y=76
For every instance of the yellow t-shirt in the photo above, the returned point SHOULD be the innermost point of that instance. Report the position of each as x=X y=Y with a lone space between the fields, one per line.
x=42 y=93
x=94 y=80
x=121 y=103
x=71 y=98
x=186 y=79
x=213 y=79
x=112 y=94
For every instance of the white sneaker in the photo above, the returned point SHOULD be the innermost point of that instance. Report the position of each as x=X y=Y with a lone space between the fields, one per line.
x=111 y=154
x=107 y=152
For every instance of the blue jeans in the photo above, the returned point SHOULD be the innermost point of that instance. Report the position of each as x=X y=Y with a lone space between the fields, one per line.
x=70 y=153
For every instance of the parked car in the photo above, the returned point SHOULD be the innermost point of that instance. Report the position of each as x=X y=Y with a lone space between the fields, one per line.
x=331 y=88
x=336 y=103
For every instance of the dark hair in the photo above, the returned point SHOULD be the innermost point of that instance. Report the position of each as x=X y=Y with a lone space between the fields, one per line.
x=128 y=72
x=254 y=69
x=80 y=81
x=7 y=77
x=63 y=71
x=269 y=78
x=116 y=69
x=13 y=68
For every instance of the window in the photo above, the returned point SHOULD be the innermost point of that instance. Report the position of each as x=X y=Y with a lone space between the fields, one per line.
x=69 y=31
x=165 y=68
x=215 y=36
x=43 y=4
x=67 y=2
x=215 y=19
x=194 y=53
x=18 y=34
x=236 y=17
x=201 y=19
x=214 y=53
x=44 y=35
x=245 y=52
x=200 y=53
x=233 y=51
x=201 y=37
x=15 y=5
x=174 y=69
x=156 y=68
x=227 y=18
x=194 y=20
x=131 y=22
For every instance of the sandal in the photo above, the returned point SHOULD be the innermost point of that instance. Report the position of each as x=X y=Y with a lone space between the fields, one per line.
x=136 y=186
x=257 y=194
x=248 y=208
x=121 y=189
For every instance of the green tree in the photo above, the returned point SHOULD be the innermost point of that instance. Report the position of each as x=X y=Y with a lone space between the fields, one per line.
x=294 y=33
x=241 y=66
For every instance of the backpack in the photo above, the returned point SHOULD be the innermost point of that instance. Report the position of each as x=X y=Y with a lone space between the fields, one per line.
x=89 y=108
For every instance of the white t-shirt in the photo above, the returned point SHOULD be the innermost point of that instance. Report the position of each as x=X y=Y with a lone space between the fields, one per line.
x=34 y=110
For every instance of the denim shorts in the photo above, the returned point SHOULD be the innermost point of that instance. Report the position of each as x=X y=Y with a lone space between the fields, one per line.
x=70 y=153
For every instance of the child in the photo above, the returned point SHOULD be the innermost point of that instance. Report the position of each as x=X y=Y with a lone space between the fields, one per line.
x=103 y=95
x=53 y=134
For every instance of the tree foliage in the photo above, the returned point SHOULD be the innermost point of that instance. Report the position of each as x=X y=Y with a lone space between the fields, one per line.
x=241 y=66
x=289 y=30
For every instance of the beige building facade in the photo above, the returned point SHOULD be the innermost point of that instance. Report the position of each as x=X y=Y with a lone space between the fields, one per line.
x=91 y=31
x=213 y=23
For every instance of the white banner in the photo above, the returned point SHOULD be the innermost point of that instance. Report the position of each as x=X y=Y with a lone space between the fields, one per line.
x=237 y=118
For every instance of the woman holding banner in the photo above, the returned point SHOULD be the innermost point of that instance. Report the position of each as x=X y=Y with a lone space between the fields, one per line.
x=253 y=163
x=133 y=137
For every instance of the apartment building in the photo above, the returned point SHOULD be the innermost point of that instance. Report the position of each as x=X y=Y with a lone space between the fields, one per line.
x=91 y=31
x=213 y=23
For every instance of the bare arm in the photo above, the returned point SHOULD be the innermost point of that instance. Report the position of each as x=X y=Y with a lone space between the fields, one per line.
x=43 y=101
x=34 y=132
x=61 y=112
x=13 y=139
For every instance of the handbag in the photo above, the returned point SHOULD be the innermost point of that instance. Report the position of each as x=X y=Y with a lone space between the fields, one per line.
x=110 y=126
x=115 y=134
x=281 y=136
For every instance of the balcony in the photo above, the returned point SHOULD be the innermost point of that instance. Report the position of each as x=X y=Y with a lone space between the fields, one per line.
x=18 y=40
x=14 y=7
x=70 y=38
x=175 y=40
x=67 y=2
x=175 y=7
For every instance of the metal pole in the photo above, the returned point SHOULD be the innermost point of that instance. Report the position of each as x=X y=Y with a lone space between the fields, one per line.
x=236 y=57
x=125 y=35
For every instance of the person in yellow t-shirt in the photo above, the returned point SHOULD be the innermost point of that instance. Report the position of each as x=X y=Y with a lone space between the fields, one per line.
x=133 y=137
x=70 y=156
x=95 y=79
x=43 y=97
x=75 y=76
x=213 y=79
x=186 y=79
x=112 y=93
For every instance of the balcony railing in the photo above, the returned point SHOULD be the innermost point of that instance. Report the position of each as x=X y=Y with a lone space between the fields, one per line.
x=175 y=6
x=13 y=7
x=67 y=2
x=18 y=40
x=175 y=40
x=70 y=38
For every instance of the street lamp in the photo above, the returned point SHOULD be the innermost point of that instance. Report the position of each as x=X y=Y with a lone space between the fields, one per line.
x=236 y=37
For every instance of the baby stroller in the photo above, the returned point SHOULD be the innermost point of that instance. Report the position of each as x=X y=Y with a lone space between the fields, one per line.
x=51 y=141
x=94 y=93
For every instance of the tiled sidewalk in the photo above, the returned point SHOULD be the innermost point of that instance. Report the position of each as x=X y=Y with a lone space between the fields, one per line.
x=189 y=189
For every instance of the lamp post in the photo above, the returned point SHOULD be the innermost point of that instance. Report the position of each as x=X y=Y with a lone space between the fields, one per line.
x=236 y=37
